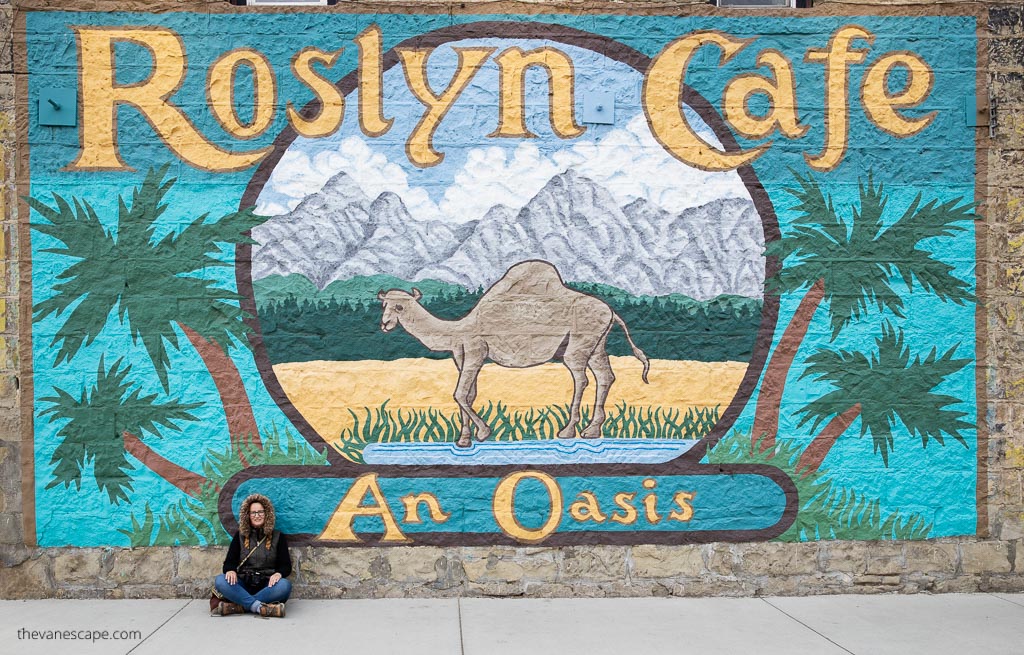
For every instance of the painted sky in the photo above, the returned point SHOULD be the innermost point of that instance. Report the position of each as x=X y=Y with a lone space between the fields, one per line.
x=623 y=157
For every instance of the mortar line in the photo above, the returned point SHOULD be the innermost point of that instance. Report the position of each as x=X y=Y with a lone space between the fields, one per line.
x=157 y=629
x=808 y=627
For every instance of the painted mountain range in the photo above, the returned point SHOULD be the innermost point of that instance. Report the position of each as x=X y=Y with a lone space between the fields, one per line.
x=702 y=252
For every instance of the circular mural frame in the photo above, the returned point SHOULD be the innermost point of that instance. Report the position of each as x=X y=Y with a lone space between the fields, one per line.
x=611 y=49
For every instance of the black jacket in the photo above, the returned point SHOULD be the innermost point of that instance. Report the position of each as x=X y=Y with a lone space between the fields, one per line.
x=282 y=564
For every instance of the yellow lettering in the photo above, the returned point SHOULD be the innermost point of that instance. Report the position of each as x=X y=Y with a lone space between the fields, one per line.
x=339 y=528
x=101 y=96
x=663 y=96
x=220 y=91
x=628 y=515
x=780 y=89
x=332 y=104
x=512 y=65
x=685 y=511
x=419 y=147
x=505 y=511
x=650 y=502
x=371 y=83
x=837 y=57
x=412 y=508
x=587 y=508
x=881 y=106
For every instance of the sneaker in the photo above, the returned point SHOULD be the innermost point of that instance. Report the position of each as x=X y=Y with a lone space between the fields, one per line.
x=226 y=608
x=268 y=610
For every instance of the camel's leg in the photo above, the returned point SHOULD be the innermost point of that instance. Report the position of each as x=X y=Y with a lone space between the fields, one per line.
x=467 y=382
x=604 y=377
x=576 y=362
x=466 y=433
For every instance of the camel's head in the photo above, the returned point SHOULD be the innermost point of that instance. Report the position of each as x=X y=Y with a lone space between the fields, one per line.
x=396 y=303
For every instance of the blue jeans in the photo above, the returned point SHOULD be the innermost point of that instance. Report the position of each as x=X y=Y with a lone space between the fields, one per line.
x=236 y=593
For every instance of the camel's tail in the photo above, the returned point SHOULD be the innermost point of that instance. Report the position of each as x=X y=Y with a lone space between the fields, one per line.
x=639 y=354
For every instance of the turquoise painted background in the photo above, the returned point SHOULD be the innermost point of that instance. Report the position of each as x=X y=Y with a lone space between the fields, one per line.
x=935 y=482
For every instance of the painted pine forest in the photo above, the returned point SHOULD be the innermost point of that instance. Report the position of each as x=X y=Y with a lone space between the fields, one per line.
x=301 y=323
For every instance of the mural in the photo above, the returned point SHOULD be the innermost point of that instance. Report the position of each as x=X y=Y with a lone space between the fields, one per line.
x=462 y=280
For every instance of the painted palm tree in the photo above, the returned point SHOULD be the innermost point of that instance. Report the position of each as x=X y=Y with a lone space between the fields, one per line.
x=882 y=388
x=157 y=287
x=105 y=423
x=851 y=266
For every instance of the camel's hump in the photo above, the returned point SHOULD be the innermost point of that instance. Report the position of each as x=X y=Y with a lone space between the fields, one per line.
x=532 y=277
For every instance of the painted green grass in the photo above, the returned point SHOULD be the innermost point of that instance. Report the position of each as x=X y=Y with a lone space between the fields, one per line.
x=385 y=425
x=826 y=510
x=195 y=521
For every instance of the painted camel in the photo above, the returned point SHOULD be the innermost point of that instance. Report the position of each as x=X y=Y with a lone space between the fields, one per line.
x=525 y=319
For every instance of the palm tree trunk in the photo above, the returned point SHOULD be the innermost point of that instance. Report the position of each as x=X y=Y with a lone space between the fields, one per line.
x=237 y=408
x=182 y=478
x=769 y=397
x=816 y=451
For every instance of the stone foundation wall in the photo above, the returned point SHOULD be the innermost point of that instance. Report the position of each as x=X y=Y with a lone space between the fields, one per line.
x=992 y=563
x=761 y=569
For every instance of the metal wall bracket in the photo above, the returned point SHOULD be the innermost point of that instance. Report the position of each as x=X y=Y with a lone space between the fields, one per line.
x=599 y=107
x=58 y=107
x=977 y=111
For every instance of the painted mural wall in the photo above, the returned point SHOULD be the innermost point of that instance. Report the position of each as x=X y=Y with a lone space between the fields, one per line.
x=465 y=279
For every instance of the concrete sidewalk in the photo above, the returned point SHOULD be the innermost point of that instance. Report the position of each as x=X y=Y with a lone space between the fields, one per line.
x=865 y=625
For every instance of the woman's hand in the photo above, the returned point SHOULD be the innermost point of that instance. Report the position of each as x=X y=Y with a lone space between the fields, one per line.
x=274 y=579
x=231 y=577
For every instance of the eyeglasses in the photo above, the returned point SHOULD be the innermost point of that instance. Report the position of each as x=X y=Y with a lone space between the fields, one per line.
x=259 y=513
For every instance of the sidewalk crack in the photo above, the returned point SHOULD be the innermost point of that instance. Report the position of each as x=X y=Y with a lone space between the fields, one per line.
x=157 y=629
x=462 y=641
x=808 y=627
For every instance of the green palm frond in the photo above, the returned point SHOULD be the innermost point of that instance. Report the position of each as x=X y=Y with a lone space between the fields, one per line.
x=858 y=258
x=196 y=521
x=152 y=285
x=825 y=510
x=891 y=386
x=94 y=423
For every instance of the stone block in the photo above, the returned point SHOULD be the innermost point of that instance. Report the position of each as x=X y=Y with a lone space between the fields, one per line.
x=598 y=563
x=8 y=391
x=931 y=558
x=143 y=591
x=884 y=558
x=509 y=566
x=6 y=51
x=414 y=564
x=779 y=559
x=1006 y=53
x=845 y=557
x=79 y=566
x=659 y=562
x=11 y=528
x=30 y=579
x=722 y=560
x=142 y=566
x=196 y=565
x=1006 y=20
x=549 y=590
x=497 y=589
x=985 y=557
x=962 y=584
x=335 y=564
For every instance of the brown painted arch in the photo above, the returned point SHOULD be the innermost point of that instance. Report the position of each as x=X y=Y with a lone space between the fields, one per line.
x=570 y=36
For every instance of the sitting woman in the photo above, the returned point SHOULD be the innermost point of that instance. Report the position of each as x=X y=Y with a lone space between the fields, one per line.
x=256 y=566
